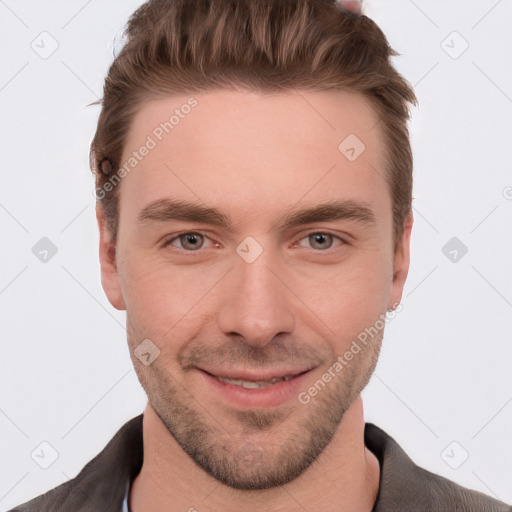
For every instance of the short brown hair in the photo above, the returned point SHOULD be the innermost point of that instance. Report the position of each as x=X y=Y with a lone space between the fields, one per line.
x=186 y=46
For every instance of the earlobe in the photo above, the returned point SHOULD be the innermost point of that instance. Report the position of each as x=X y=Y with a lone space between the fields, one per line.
x=108 y=263
x=401 y=264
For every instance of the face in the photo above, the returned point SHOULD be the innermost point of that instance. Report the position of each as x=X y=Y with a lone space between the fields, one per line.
x=229 y=261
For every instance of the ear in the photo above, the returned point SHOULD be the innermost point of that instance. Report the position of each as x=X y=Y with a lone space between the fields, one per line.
x=109 y=276
x=401 y=264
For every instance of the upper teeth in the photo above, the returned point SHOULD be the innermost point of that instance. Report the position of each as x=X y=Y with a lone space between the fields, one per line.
x=252 y=385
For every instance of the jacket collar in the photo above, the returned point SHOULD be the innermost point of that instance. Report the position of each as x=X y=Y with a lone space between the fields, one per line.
x=405 y=486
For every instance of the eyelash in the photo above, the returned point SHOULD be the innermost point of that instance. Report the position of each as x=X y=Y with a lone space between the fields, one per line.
x=199 y=251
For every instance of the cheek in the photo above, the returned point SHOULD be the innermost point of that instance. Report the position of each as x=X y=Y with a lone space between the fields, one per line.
x=363 y=279
x=352 y=300
x=161 y=299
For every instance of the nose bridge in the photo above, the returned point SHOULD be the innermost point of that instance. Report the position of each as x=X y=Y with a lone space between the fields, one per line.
x=257 y=303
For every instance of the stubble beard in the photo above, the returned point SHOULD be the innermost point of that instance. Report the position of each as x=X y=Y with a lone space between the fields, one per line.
x=257 y=449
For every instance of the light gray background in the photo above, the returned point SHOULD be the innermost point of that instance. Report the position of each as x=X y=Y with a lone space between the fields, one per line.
x=444 y=373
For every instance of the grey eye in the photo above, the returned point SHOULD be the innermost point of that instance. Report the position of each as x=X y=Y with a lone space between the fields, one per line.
x=319 y=240
x=188 y=241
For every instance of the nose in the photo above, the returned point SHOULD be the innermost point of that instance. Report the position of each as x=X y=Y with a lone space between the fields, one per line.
x=257 y=301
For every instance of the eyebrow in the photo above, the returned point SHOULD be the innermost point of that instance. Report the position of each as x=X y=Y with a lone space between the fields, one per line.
x=164 y=210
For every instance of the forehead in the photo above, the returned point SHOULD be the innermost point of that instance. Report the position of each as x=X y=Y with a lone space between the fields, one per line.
x=307 y=116
x=235 y=148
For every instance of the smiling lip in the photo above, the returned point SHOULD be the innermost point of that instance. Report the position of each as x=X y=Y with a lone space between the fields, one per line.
x=257 y=376
x=268 y=396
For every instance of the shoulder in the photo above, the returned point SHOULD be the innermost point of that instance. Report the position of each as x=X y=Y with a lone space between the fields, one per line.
x=406 y=486
x=101 y=483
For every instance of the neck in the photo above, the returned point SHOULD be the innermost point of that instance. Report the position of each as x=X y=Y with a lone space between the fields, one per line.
x=345 y=476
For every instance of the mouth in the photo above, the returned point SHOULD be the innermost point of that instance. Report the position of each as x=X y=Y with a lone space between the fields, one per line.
x=256 y=384
x=253 y=390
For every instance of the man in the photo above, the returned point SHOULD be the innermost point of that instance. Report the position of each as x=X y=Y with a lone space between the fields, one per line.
x=254 y=184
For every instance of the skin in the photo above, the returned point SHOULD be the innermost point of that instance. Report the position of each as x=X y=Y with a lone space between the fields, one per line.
x=303 y=300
